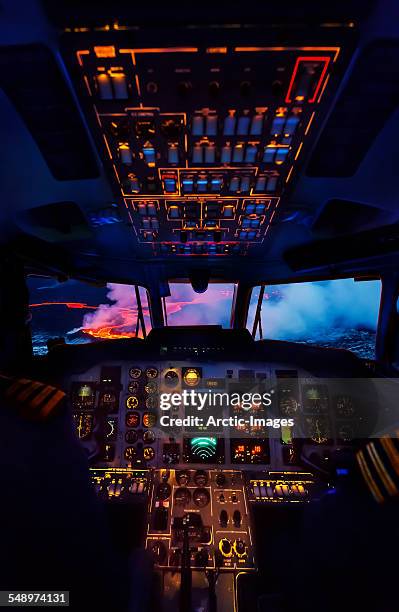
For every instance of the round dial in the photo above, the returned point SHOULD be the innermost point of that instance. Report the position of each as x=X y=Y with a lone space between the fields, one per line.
x=130 y=453
x=152 y=401
x=133 y=386
x=182 y=497
x=182 y=478
x=132 y=402
x=239 y=548
x=135 y=372
x=201 y=497
x=151 y=387
x=149 y=419
x=200 y=478
x=151 y=372
x=171 y=378
x=149 y=436
x=148 y=453
x=132 y=419
x=131 y=436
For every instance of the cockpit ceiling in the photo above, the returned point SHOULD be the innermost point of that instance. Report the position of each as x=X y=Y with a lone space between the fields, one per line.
x=202 y=142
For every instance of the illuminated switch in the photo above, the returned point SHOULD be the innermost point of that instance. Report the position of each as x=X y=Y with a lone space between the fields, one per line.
x=119 y=85
x=142 y=209
x=226 y=155
x=198 y=125
x=212 y=249
x=272 y=183
x=277 y=126
x=243 y=126
x=133 y=184
x=246 y=223
x=268 y=155
x=174 y=212
x=238 y=153
x=216 y=184
x=154 y=224
x=188 y=185
x=211 y=125
x=263 y=491
x=255 y=223
x=229 y=125
x=250 y=208
x=210 y=154
x=151 y=210
x=197 y=154
x=146 y=223
x=234 y=184
x=260 y=209
x=228 y=212
x=286 y=140
x=245 y=183
x=251 y=235
x=125 y=154
x=173 y=155
x=250 y=154
x=260 y=184
x=104 y=87
x=170 y=185
x=256 y=125
x=243 y=236
x=281 y=155
x=202 y=184
x=149 y=155
x=290 y=125
x=269 y=491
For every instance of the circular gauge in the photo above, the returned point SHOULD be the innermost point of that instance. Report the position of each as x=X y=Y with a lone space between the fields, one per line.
x=130 y=453
x=152 y=401
x=200 y=478
x=131 y=436
x=132 y=402
x=171 y=378
x=182 y=478
x=239 y=548
x=132 y=419
x=289 y=405
x=182 y=497
x=345 y=406
x=191 y=377
x=149 y=436
x=133 y=386
x=149 y=419
x=135 y=372
x=163 y=491
x=148 y=453
x=201 y=497
x=151 y=372
x=151 y=387
x=225 y=547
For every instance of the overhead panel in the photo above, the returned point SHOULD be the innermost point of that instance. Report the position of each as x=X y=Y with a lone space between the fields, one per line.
x=202 y=142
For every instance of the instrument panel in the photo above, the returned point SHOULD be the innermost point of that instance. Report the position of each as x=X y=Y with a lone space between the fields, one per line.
x=117 y=415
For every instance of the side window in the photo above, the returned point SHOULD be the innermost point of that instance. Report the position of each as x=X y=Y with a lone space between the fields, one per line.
x=338 y=313
x=80 y=313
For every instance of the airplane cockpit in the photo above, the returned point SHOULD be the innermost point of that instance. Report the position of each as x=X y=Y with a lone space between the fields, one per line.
x=199 y=290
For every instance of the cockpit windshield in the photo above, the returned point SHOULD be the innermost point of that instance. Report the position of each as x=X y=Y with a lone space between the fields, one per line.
x=213 y=307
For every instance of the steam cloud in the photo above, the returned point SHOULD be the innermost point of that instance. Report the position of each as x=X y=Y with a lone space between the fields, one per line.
x=312 y=310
